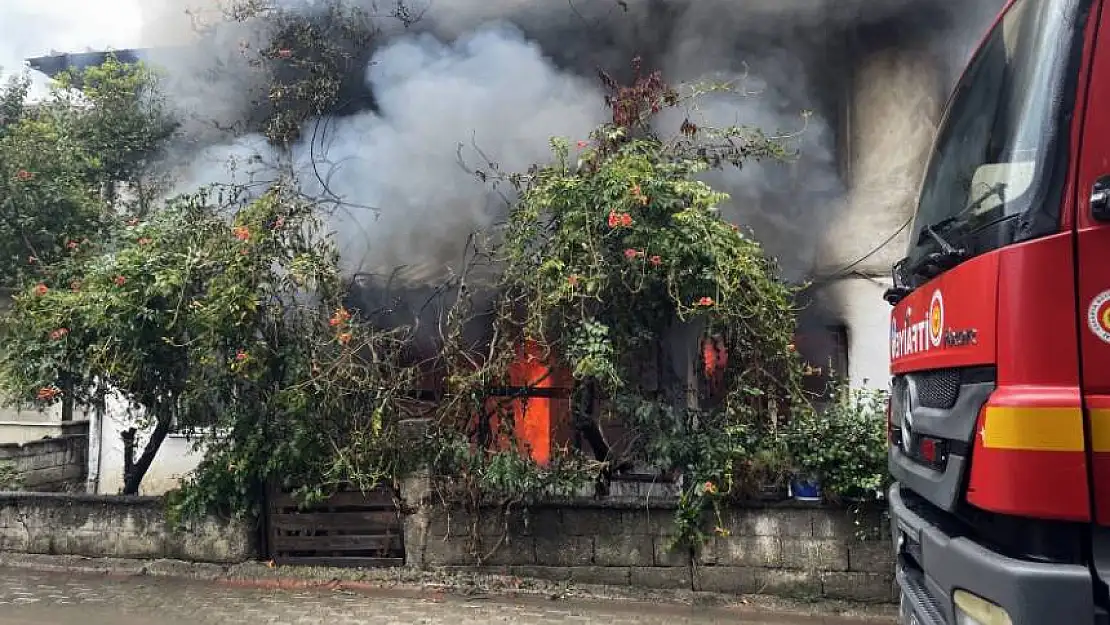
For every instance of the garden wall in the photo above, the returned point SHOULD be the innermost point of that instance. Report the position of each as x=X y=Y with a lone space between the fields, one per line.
x=788 y=550
x=51 y=464
x=115 y=527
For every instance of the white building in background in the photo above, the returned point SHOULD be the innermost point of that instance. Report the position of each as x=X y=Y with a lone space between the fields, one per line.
x=895 y=99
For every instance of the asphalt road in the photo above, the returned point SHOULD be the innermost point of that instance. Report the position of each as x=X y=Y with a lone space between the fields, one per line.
x=29 y=598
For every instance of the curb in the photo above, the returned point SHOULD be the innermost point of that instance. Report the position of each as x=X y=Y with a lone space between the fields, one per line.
x=438 y=586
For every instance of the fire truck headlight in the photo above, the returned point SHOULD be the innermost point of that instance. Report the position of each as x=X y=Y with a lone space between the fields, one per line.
x=973 y=610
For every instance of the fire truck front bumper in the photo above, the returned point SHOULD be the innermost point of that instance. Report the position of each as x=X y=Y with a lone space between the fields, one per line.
x=945 y=578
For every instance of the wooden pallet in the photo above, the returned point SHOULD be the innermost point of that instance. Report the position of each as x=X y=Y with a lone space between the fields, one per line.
x=350 y=529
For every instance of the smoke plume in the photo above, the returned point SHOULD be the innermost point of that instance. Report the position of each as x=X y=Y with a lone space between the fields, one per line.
x=503 y=76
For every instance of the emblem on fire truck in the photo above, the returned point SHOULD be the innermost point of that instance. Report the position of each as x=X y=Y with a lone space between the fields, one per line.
x=936 y=319
x=1098 y=316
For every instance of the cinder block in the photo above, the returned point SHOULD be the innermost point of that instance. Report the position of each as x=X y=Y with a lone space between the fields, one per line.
x=664 y=578
x=13 y=540
x=759 y=551
x=545 y=521
x=444 y=522
x=858 y=586
x=757 y=580
x=564 y=551
x=629 y=550
x=814 y=554
x=441 y=551
x=604 y=575
x=785 y=583
x=667 y=554
x=454 y=522
x=653 y=522
x=142 y=545
x=508 y=551
x=116 y=527
x=781 y=522
x=846 y=523
x=871 y=557
x=733 y=580
x=594 y=522
x=87 y=544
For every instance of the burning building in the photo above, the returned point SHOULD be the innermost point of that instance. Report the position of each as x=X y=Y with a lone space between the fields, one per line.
x=502 y=76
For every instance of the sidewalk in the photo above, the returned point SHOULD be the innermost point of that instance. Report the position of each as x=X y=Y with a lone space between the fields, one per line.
x=421 y=585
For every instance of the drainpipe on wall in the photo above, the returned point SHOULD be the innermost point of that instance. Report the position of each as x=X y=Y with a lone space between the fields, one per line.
x=96 y=435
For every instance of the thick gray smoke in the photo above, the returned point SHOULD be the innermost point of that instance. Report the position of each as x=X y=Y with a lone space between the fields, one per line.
x=463 y=75
x=406 y=199
x=490 y=91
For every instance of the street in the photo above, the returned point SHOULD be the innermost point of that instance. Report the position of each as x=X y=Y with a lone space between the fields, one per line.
x=31 y=598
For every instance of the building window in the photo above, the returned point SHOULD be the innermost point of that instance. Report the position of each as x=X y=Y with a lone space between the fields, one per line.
x=824 y=349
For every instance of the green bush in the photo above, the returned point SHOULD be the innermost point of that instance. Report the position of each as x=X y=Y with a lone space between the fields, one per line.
x=845 y=445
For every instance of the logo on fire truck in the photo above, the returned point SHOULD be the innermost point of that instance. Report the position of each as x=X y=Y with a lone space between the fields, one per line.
x=918 y=333
x=921 y=333
x=1098 y=316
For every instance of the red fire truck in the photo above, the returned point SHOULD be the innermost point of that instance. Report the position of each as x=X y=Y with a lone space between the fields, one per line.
x=1000 y=336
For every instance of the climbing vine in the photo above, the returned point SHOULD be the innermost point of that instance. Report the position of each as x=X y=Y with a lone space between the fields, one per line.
x=617 y=249
x=312 y=62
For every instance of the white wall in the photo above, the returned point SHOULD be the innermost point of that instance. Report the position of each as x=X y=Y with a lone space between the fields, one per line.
x=175 y=459
x=895 y=106
x=859 y=303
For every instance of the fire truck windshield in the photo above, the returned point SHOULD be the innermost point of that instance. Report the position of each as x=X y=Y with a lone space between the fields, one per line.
x=994 y=176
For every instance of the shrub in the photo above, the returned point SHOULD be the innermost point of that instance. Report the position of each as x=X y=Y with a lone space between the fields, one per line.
x=844 y=446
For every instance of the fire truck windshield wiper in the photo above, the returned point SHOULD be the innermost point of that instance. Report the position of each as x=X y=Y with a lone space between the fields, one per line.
x=935 y=231
x=937 y=262
x=946 y=248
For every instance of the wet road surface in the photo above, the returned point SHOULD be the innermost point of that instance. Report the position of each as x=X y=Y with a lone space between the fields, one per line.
x=30 y=598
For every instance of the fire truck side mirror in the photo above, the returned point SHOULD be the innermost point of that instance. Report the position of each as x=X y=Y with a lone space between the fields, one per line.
x=1100 y=200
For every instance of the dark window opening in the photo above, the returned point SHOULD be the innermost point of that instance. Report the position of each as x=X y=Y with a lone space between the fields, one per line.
x=824 y=349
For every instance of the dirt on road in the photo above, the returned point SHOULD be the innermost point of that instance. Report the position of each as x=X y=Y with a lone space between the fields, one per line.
x=38 y=598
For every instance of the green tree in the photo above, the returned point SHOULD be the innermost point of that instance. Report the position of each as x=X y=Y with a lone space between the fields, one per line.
x=64 y=158
x=312 y=62
x=187 y=317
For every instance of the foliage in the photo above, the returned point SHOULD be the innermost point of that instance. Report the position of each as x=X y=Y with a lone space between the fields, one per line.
x=313 y=61
x=301 y=394
x=122 y=122
x=62 y=159
x=188 y=317
x=845 y=446
x=613 y=252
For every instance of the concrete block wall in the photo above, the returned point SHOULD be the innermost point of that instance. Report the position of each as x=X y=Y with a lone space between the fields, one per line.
x=789 y=550
x=116 y=527
x=51 y=464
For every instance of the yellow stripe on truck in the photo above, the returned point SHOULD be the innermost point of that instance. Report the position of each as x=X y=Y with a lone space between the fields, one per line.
x=1036 y=429
x=1100 y=430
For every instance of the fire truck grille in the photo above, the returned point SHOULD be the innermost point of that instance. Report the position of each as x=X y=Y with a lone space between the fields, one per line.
x=937 y=389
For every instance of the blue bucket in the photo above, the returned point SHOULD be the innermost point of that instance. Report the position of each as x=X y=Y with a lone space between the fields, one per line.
x=805 y=489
